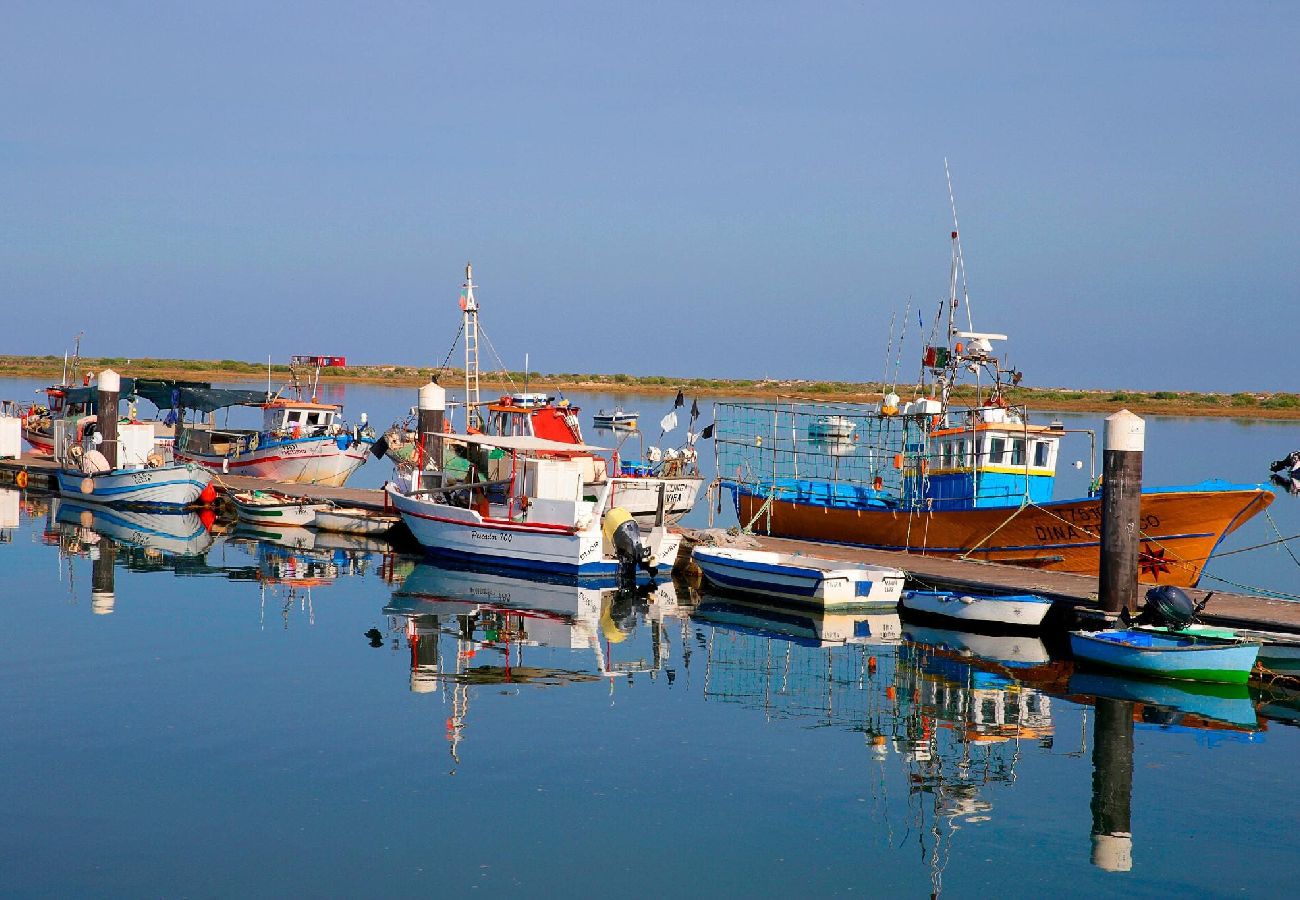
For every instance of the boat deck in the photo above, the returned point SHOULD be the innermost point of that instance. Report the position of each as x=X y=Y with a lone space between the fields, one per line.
x=1078 y=591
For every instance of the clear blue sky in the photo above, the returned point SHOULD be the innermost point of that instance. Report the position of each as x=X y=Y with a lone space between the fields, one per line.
x=696 y=188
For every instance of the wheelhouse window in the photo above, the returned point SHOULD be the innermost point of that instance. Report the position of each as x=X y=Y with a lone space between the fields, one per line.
x=1017 y=452
x=294 y=417
x=997 y=449
x=1042 y=454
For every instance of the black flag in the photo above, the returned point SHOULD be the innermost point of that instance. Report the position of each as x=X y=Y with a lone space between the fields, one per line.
x=695 y=410
x=707 y=432
x=680 y=401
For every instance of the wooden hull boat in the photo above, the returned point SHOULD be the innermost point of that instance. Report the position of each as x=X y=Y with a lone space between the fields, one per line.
x=1180 y=528
x=800 y=579
x=355 y=521
x=1175 y=656
x=1010 y=610
x=173 y=485
x=305 y=460
x=1279 y=654
x=274 y=508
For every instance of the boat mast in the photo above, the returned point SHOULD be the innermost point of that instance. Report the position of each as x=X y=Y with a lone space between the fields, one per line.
x=958 y=264
x=469 y=322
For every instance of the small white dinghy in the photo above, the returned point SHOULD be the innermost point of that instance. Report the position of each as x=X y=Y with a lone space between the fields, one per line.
x=275 y=508
x=998 y=610
x=803 y=579
x=351 y=520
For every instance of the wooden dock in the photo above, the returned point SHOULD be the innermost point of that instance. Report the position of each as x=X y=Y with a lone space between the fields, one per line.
x=1075 y=591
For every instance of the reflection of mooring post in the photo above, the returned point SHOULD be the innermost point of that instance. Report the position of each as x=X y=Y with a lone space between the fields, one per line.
x=432 y=407
x=101 y=577
x=110 y=390
x=422 y=634
x=1121 y=506
x=1112 y=785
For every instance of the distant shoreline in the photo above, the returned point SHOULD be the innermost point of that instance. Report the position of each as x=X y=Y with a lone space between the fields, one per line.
x=1251 y=405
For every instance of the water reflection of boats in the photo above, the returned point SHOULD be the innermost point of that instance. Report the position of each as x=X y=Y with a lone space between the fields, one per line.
x=1009 y=650
x=176 y=533
x=302 y=538
x=1193 y=705
x=495 y=620
x=807 y=627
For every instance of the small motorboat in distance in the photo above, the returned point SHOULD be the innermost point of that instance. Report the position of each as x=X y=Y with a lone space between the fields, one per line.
x=997 y=610
x=275 y=508
x=1183 y=657
x=802 y=579
x=616 y=419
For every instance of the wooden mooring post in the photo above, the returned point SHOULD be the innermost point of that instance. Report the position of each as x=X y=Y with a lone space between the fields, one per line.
x=110 y=393
x=1121 y=508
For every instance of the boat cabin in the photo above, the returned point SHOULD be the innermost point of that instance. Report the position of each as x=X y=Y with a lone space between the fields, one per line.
x=519 y=415
x=299 y=417
x=995 y=460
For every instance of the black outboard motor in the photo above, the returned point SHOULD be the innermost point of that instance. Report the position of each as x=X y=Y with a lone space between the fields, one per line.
x=1170 y=607
x=624 y=535
x=1290 y=462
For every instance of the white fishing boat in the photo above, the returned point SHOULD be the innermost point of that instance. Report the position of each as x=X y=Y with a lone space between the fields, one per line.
x=140 y=477
x=176 y=485
x=350 y=520
x=274 y=508
x=662 y=479
x=300 y=440
x=829 y=428
x=799 y=578
x=1006 y=610
x=544 y=522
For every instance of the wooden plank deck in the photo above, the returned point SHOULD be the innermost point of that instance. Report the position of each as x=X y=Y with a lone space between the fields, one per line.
x=1078 y=591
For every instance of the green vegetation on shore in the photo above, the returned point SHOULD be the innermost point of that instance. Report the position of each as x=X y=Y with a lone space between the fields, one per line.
x=1247 y=404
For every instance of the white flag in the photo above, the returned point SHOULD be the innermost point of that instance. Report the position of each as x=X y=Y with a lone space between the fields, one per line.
x=668 y=422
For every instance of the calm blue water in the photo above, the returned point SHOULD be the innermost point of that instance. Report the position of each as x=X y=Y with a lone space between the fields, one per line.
x=218 y=723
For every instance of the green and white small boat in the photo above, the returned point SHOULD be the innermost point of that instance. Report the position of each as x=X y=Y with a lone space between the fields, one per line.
x=275 y=508
x=1178 y=656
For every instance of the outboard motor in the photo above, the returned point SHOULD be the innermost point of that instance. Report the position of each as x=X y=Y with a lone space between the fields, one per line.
x=624 y=535
x=1290 y=462
x=1170 y=607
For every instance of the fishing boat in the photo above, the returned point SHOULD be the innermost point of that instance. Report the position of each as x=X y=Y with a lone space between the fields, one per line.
x=1003 y=610
x=660 y=478
x=300 y=439
x=616 y=418
x=347 y=520
x=831 y=428
x=1177 y=656
x=971 y=480
x=265 y=507
x=542 y=523
x=800 y=579
x=137 y=475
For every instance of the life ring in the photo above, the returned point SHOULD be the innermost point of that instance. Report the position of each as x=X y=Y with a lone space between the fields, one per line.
x=21 y=479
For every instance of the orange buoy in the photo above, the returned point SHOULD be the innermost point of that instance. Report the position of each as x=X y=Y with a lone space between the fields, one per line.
x=87 y=486
x=898 y=460
x=208 y=518
x=21 y=479
x=208 y=495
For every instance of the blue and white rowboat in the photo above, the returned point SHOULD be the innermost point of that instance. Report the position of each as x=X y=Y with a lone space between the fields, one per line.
x=803 y=579
x=167 y=485
x=1178 y=656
